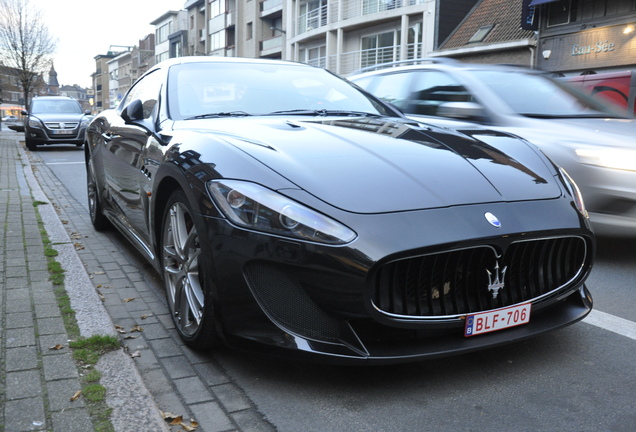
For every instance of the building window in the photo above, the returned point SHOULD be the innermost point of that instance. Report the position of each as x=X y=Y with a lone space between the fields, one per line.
x=373 y=6
x=593 y=9
x=249 y=29
x=163 y=56
x=561 y=12
x=313 y=14
x=481 y=34
x=217 y=40
x=163 y=32
x=380 y=48
x=315 y=56
x=217 y=8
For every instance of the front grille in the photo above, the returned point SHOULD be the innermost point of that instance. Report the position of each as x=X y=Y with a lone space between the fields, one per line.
x=478 y=278
x=59 y=125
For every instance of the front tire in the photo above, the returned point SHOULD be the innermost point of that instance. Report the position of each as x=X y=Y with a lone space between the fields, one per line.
x=184 y=275
x=31 y=145
x=99 y=221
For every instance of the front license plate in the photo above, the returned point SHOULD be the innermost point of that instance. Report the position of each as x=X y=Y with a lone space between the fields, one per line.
x=63 y=132
x=486 y=322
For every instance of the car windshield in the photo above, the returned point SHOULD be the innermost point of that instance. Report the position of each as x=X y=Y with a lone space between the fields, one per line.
x=198 y=90
x=55 y=107
x=535 y=95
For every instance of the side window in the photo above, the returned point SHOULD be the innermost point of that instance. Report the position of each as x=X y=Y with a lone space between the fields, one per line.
x=392 y=88
x=147 y=90
x=431 y=89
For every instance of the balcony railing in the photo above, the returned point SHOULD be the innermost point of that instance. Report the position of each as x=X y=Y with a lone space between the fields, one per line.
x=338 y=10
x=272 y=44
x=351 y=61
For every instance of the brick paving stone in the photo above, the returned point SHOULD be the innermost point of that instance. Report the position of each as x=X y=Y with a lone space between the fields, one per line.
x=21 y=358
x=60 y=393
x=23 y=384
x=59 y=366
x=25 y=414
x=193 y=390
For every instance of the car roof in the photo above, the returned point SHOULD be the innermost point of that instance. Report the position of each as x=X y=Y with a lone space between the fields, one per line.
x=53 y=98
x=444 y=63
x=218 y=59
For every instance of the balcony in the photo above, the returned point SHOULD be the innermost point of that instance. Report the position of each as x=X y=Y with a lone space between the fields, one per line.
x=339 y=10
x=270 y=8
x=271 y=46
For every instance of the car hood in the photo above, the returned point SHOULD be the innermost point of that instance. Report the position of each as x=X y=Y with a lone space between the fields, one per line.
x=366 y=165
x=57 y=117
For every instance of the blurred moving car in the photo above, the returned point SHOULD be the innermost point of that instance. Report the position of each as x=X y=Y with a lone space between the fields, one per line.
x=595 y=143
x=290 y=212
x=55 y=120
x=618 y=88
x=12 y=122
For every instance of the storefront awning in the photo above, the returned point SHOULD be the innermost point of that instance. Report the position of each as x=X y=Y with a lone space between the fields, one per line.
x=539 y=2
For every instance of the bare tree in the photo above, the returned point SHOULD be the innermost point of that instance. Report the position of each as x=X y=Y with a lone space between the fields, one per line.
x=25 y=43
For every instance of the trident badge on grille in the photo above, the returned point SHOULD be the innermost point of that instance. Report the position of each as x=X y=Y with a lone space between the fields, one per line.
x=496 y=283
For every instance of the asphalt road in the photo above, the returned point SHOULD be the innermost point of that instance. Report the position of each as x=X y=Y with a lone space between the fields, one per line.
x=581 y=378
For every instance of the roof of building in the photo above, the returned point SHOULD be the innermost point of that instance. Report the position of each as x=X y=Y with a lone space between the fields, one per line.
x=503 y=15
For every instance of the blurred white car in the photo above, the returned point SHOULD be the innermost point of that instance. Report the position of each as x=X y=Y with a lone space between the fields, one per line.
x=595 y=143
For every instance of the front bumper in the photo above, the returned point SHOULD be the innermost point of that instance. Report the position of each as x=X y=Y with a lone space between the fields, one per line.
x=296 y=299
x=42 y=136
x=406 y=345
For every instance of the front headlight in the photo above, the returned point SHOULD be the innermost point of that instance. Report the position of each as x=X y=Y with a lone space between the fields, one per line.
x=252 y=206
x=574 y=191
x=608 y=158
x=35 y=122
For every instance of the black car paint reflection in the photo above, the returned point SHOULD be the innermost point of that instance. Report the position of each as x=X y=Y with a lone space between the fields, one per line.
x=414 y=197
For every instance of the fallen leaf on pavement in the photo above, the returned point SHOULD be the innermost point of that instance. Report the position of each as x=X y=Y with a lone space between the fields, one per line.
x=136 y=328
x=76 y=396
x=136 y=354
x=126 y=300
x=57 y=347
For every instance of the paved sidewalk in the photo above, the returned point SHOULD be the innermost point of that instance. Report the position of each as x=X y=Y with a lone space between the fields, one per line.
x=36 y=382
x=101 y=271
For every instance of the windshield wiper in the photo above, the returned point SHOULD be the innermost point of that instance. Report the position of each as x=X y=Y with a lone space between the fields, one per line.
x=324 y=113
x=220 y=114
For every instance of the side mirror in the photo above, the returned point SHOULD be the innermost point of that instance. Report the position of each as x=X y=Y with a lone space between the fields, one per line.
x=87 y=112
x=133 y=112
x=24 y=112
x=462 y=110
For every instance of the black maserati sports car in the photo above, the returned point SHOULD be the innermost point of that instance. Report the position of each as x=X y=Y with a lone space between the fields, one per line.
x=290 y=212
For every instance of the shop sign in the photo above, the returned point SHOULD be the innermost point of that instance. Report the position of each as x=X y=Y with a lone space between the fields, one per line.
x=599 y=47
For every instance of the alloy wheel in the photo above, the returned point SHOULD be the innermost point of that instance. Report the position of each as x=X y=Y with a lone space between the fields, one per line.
x=181 y=252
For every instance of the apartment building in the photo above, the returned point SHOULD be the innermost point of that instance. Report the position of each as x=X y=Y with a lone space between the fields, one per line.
x=340 y=35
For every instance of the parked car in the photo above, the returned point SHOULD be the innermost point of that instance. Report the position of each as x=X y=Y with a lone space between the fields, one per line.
x=55 y=120
x=292 y=213
x=11 y=122
x=618 y=88
x=593 y=142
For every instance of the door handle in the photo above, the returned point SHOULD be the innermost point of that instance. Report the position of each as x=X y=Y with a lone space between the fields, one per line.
x=107 y=136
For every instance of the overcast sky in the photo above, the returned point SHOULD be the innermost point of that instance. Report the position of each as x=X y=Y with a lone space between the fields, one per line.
x=84 y=29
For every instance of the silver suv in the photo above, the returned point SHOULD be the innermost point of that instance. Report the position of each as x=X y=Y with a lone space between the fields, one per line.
x=55 y=120
x=595 y=143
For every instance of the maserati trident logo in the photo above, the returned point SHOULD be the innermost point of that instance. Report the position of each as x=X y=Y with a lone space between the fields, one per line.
x=496 y=281
x=492 y=219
